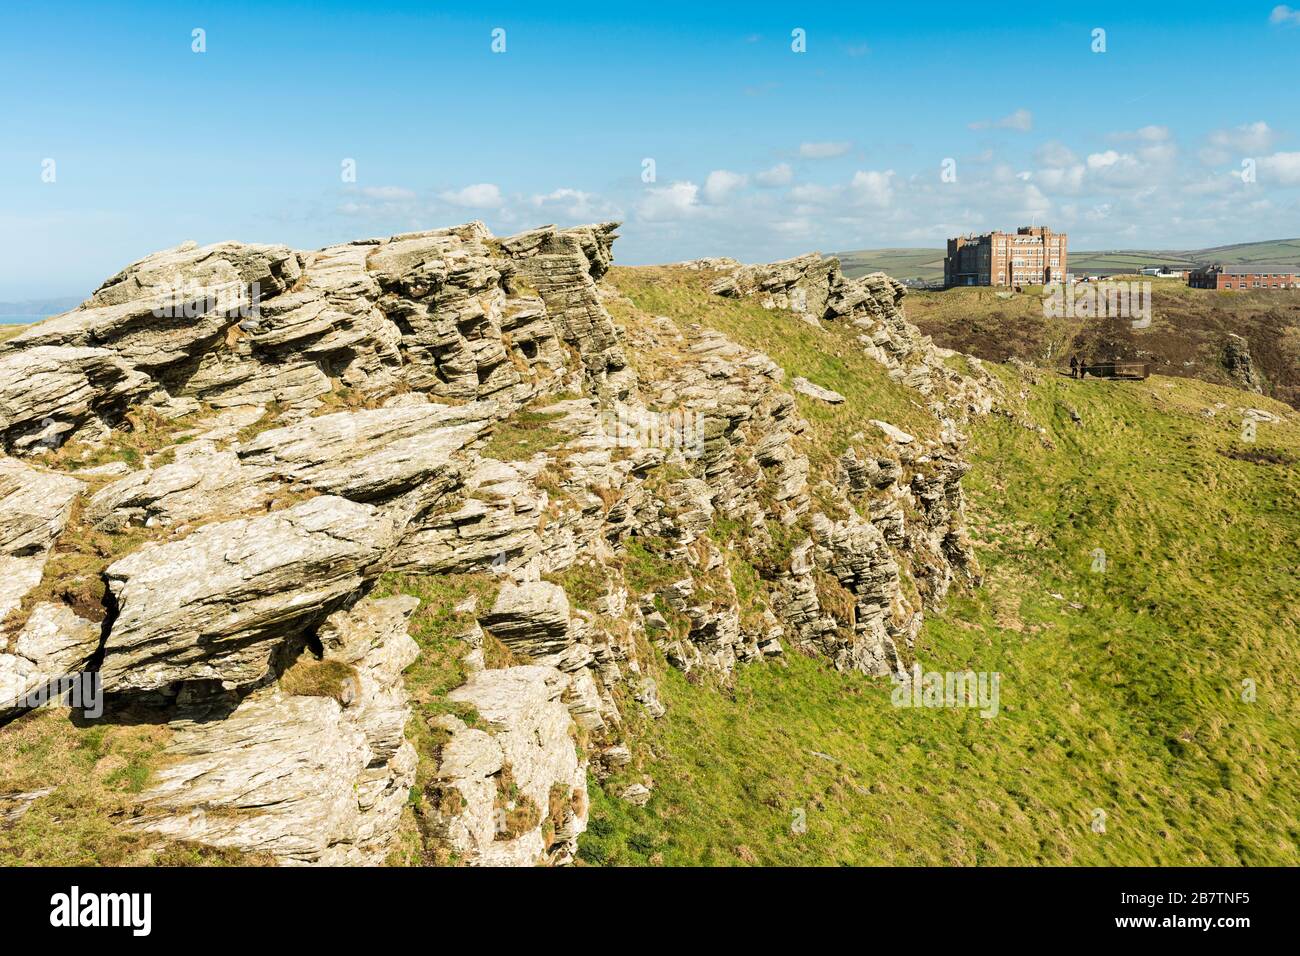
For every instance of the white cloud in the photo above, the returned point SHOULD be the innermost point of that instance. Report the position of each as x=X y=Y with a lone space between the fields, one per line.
x=1034 y=204
x=812 y=193
x=866 y=188
x=575 y=204
x=1021 y=120
x=779 y=175
x=721 y=183
x=1055 y=154
x=1149 y=134
x=1280 y=168
x=1284 y=14
x=477 y=196
x=1107 y=159
x=1065 y=179
x=1099 y=212
x=873 y=188
x=823 y=150
x=1224 y=145
x=665 y=203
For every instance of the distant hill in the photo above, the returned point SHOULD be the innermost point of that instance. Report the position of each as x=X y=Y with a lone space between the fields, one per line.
x=927 y=264
x=45 y=306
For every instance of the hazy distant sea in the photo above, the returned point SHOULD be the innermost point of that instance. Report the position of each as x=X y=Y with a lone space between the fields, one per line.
x=21 y=319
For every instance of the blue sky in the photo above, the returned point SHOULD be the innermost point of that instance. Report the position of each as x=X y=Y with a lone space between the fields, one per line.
x=759 y=152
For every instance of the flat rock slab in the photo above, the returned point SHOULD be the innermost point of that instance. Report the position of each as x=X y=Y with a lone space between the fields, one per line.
x=812 y=390
x=215 y=604
x=370 y=454
x=895 y=434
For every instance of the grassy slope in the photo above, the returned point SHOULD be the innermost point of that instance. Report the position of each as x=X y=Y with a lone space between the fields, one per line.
x=1131 y=705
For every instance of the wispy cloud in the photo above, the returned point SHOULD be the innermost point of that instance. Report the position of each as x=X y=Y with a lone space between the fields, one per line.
x=1284 y=15
x=823 y=150
x=477 y=196
x=1226 y=145
x=1280 y=168
x=667 y=203
x=779 y=175
x=387 y=192
x=1022 y=121
x=721 y=183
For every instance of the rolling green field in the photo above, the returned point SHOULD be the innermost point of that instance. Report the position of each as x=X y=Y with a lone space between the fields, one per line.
x=927 y=264
x=1148 y=711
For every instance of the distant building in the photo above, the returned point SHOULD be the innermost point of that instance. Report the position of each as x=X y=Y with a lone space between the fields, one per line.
x=1034 y=255
x=1240 y=277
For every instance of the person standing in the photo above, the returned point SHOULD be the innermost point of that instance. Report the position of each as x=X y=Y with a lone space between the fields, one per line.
x=1074 y=366
x=1083 y=367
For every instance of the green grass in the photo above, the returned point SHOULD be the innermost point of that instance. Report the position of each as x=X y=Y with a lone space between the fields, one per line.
x=523 y=435
x=1131 y=705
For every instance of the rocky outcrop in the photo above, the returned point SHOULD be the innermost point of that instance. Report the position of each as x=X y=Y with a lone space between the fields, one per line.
x=372 y=455
x=1239 y=365
x=815 y=289
x=813 y=390
x=305 y=779
x=316 y=428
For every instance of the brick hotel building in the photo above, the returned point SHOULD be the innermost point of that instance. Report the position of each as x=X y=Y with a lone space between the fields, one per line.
x=1033 y=255
x=1241 y=277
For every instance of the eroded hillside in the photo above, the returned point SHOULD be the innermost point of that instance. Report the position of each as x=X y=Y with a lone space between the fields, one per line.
x=1249 y=339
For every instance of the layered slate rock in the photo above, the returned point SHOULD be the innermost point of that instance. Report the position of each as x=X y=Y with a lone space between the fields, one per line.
x=49 y=394
x=371 y=455
x=454 y=312
x=520 y=788
x=202 y=480
x=215 y=605
x=304 y=779
x=340 y=429
x=34 y=509
x=531 y=618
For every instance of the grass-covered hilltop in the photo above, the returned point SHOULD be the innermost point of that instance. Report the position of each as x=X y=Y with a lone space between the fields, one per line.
x=470 y=550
